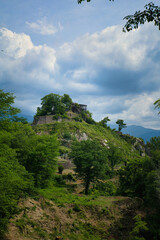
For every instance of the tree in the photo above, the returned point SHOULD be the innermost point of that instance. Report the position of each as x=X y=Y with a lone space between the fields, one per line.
x=121 y=124
x=15 y=181
x=51 y=104
x=37 y=153
x=157 y=104
x=150 y=14
x=137 y=179
x=67 y=101
x=104 y=121
x=90 y=159
x=114 y=156
x=6 y=109
x=54 y=104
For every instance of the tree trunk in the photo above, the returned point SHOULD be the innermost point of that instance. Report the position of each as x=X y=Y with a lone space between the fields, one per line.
x=87 y=183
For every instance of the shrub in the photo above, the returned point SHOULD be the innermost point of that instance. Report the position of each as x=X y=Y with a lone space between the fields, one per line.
x=105 y=189
x=59 y=179
x=67 y=136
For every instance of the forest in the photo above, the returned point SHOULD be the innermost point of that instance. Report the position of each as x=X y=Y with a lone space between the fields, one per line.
x=78 y=168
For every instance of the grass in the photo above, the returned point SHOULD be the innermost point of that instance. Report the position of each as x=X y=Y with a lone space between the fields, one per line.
x=92 y=131
x=60 y=196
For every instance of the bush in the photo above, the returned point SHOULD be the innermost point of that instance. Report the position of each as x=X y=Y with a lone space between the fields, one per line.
x=77 y=119
x=59 y=179
x=76 y=208
x=105 y=189
x=67 y=136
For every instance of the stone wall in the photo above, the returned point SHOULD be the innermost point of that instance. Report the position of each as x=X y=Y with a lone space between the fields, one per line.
x=49 y=118
x=43 y=120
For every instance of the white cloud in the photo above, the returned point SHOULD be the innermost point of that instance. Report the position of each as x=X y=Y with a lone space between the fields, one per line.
x=42 y=27
x=13 y=44
x=21 y=62
x=112 y=48
x=115 y=74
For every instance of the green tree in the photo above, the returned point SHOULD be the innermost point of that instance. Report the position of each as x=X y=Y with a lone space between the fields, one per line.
x=153 y=146
x=150 y=14
x=6 y=109
x=157 y=104
x=104 y=121
x=51 y=104
x=120 y=124
x=140 y=227
x=54 y=104
x=90 y=159
x=15 y=181
x=114 y=156
x=138 y=179
x=36 y=153
x=67 y=101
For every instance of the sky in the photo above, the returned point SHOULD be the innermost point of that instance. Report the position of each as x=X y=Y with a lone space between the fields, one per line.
x=60 y=46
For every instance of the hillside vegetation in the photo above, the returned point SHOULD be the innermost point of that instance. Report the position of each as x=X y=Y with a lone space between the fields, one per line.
x=45 y=170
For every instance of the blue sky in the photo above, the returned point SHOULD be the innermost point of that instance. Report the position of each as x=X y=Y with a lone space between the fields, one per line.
x=62 y=47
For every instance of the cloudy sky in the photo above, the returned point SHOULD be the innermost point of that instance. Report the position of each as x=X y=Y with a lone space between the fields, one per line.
x=60 y=46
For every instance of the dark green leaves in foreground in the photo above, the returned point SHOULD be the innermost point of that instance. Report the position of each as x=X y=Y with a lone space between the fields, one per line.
x=27 y=160
x=157 y=104
x=150 y=14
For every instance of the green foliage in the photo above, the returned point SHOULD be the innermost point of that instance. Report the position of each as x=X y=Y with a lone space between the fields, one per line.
x=59 y=179
x=154 y=148
x=36 y=153
x=26 y=159
x=157 y=104
x=121 y=124
x=93 y=131
x=139 y=179
x=76 y=208
x=87 y=117
x=150 y=14
x=114 y=156
x=104 y=121
x=15 y=182
x=105 y=188
x=67 y=101
x=78 y=119
x=40 y=159
x=67 y=135
x=6 y=109
x=90 y=159
x=139 y=229
x=54 y=104
x=19 y=119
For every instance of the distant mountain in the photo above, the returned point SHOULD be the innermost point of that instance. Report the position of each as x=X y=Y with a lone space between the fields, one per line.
x=138 y=131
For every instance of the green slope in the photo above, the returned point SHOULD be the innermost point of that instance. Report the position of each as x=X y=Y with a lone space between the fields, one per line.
x=80 y=130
